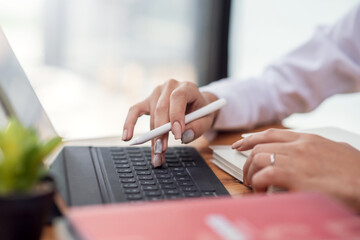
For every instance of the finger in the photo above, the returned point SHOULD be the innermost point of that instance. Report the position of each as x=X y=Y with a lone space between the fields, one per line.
x=261 y=161
x=237 y=144
x=268 y=136
x=196 y=128
x=183 y=95
x=268 y=148
x=161 y=117
x=158 y=158
x=134 y=113
x=273 y=176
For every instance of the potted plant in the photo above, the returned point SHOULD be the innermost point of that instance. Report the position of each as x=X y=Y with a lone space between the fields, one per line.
x=25 y=195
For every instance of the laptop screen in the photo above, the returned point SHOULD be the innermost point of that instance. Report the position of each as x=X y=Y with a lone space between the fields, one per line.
x=17 y=96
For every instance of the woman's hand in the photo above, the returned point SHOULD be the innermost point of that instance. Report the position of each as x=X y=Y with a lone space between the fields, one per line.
x=169 y=103
x=302 y=162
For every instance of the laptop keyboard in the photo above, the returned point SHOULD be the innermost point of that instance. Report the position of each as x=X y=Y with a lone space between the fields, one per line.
x=141 y=181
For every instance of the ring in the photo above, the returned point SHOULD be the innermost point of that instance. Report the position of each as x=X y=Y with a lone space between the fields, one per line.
x=272 y=159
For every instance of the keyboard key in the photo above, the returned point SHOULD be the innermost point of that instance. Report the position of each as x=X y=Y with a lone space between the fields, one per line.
x=180 y=174
x=122 y=165
x=135 y=155
x=174 y=165
x=126 y=175
x=124 y=170
x=143 y=173
x=192 y=194
x=163 y=176
x=170 y=155
x=145 y=177
x=189 y=189
x=122 y=157
x=185 y=183
x=161 y=171
x=137 y=159
x=134 y=196
x=141 y=168
x=128 y=180
x=121 y=161
x=182 y=178
x=150 y=187
x=139 y=164
x=132 y=191
x=130 y=185
x=172 y=160
x=178 y=169
x=186 y=159
x=166 y=181
x=171 y=192
x=153 y=193
x=147 y=182
x=168 y=186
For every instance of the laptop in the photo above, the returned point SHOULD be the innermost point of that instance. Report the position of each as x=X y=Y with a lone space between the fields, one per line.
x=87 y=175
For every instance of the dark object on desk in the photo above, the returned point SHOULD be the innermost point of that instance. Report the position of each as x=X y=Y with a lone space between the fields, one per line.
x=22 y=216
x=93 y=175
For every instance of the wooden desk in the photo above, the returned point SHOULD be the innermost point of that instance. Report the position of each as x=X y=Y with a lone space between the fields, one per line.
x=233 y=185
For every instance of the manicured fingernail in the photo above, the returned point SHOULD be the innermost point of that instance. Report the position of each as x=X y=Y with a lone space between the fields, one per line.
x=124 y=136
x=187 y=136
x=157 y=160
x=176 y=129
x=158 y=146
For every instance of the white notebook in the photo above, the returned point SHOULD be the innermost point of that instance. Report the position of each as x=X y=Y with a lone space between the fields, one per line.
x=232 y=161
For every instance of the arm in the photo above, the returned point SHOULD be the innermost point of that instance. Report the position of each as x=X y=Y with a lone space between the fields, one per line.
x=329 y=63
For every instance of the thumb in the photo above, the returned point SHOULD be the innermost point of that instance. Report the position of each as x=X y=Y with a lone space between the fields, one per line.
x=196 y=128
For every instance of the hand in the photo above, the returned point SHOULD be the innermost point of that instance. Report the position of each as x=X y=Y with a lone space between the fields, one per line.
x=302 y=162
x=169 y=103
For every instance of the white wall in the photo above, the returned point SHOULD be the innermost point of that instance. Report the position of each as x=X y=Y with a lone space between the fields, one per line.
x=262 y=31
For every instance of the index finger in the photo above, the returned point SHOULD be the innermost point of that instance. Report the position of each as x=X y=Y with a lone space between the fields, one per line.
x=134 y=113
x=268 y=136
x=179 y=99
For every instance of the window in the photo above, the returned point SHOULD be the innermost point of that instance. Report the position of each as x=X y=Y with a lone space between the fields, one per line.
x=262 y=31
x=90 y=60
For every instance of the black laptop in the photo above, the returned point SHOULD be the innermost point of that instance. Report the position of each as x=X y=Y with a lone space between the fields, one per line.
x=99 y=175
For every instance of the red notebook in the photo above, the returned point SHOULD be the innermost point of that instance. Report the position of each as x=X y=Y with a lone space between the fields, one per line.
x=279 y=216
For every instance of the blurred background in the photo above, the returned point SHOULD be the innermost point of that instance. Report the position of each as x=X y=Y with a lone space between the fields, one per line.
x=90 y=60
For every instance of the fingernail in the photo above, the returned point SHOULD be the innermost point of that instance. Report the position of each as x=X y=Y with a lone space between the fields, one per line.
x=237 y=144
x=157 y=160
x=124 y=136
x=158 y=146
x=187 y=136
x=176 y=129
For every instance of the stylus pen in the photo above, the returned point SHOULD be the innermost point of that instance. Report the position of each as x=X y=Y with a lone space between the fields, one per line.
x=201 y=112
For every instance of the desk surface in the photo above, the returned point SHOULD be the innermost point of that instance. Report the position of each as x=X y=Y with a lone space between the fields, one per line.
x=233 y=185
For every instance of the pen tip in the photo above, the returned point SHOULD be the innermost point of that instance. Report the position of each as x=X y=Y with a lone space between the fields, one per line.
x=132 y=143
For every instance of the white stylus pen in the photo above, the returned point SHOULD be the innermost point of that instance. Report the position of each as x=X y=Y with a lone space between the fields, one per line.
x=201 y=112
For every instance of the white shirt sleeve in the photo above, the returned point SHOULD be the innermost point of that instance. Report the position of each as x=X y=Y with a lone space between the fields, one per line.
x=329 y=63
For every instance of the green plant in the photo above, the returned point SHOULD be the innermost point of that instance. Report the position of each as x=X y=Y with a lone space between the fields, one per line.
x=21 y=157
